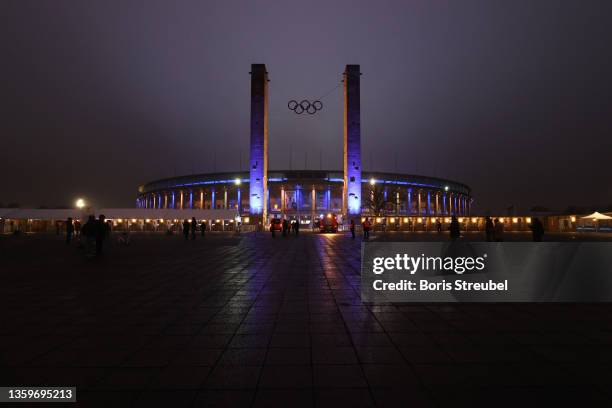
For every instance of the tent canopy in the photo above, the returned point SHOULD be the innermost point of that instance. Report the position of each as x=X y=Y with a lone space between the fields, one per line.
x=597 y=216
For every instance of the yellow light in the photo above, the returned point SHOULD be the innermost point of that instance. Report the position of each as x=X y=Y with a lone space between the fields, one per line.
x=148 y=220
x=161 y=220
x=246 y=219
x=231 y=221
x=276 y=206
x=460 y=219
x=514 y=220
x=80 y=203
x=447 y=219
x=528 y=219
x=237 y=182
x=405 y=219
x=420 y=220
x=433 y=219
x=372 y=181
x=378 y=220
x=362 y=219
x=501 y=220
x=474 y=220
x=133 y=219
x=119 y=221
x=217 y=220
x=573 y=218
x=329 y=215
x=392 y=219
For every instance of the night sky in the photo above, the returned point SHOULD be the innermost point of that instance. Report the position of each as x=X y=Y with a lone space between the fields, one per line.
x=513 y=98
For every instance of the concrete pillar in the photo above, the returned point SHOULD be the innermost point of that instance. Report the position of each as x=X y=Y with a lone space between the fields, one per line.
x=397 y=202
x=444 y=208
x=166 y=199
x=173 y=200
x=238 y=202
x=212 y=203
x=283 y=200
x=419 y=203
x=409 y=201
x=437 y=203
x=258 y=164
x=428 y=202
x=182 y=199
x=351 y=197
x=201 y=199
x=313 y=204
x=225 y=198
x=190 y=199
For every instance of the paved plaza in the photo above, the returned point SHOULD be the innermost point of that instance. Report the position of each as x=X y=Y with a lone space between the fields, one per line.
x=254 y=321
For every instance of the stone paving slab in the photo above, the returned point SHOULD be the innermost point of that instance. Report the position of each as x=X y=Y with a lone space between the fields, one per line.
x=255 y=321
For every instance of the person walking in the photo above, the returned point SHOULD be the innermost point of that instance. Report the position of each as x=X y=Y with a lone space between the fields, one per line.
x=489 y=229
x=439 y=226
x=285 y=227
x=366 y=228
x=499 y=230
x=69 y=230
x=296 y=227
x=194 y=225
x=89 y=232
x=77 y=228
x=455 y=233
x=352 y=228
x=186 y=229
x=102 y=231
x=273 y=229
x=537 y=229
x=203 y=228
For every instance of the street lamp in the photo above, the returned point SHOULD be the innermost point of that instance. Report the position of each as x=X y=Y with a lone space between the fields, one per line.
x=372 y=181
x=80 y=203
x=237 y=182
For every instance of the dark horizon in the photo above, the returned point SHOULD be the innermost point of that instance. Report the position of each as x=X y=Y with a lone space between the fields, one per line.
x=512 y=99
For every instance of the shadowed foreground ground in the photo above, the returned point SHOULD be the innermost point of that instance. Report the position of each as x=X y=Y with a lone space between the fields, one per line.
x=229 y=321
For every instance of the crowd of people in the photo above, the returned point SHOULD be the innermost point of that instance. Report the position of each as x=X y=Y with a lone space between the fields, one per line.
x=286 y=227
x=91 y=236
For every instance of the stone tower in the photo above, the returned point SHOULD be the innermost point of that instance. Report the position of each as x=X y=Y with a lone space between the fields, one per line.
x=258 y=164
x=351 y=200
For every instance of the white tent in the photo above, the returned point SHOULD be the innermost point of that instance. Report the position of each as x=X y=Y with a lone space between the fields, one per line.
x=596 y=216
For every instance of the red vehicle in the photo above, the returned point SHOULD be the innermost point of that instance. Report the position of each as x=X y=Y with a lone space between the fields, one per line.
x=329 y=223
x=276 y=224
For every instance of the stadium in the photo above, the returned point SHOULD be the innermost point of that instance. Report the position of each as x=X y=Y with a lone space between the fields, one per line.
x=308 y=195
x=260 y=195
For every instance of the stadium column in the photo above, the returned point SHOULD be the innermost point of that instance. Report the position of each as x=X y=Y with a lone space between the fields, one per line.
x=225 y=198
x=351 y=197
x=409 y=201
x=437 y=203
x=182 y=197
x=419 y=202
x=166 y=199
x=201 y=199
x=428 y=202
x=313 y=204
x=258 y=164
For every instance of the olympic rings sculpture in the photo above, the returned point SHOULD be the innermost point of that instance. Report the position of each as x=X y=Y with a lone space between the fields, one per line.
x=305 y=106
